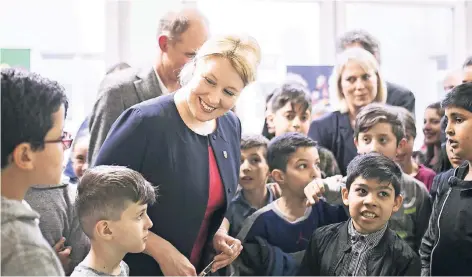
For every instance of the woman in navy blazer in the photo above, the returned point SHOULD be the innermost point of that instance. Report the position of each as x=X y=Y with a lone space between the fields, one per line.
x=187 y=144
x=357 y=82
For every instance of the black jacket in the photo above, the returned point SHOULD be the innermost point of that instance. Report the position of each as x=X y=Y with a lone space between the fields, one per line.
x=400 y=96
x=329 y=245
x=446 y=246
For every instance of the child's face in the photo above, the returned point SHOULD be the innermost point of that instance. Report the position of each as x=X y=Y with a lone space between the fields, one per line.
x=131 y=231
x=291 y=119
x=379 y=138
x=302 y=168
x=432 y=126
x=79 y=161
x=404 y=153
x=459 y=132
x=454 y=159
x=254 y=170
x=370 y=204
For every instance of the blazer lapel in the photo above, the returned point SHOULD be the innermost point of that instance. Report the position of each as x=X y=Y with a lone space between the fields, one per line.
x=147 y=85
x=347 y=135
x=224 y=155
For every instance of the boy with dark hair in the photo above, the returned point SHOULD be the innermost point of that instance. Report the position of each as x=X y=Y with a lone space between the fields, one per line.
x=33 y=113
x=445 y=249
x=378 y=129
x=281 y=229
x=291 y=112
x=364 y=245
x=404 y=157
x=254 y=194
x=111 y=204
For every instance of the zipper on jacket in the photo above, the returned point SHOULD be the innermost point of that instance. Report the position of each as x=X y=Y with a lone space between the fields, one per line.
x=439 y=231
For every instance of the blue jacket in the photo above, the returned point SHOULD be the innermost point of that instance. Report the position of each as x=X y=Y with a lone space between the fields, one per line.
x=152 y=139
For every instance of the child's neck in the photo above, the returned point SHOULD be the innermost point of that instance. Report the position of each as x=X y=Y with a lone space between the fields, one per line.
x=292 y=207
x=104 y=258
x=257 y=197
x=468 y=177
x=410 y=167
x=14 y=184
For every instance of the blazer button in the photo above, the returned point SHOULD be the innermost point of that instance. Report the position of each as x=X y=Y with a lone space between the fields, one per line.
x=214 y=137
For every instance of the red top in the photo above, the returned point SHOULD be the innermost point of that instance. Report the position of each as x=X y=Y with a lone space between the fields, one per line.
x=216 y=199
x=425 y=175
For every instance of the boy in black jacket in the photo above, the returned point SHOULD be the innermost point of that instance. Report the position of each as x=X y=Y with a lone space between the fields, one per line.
x=447 y=243
x=364 y=245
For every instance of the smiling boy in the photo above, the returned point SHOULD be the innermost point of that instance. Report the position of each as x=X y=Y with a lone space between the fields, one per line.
x=364 y=245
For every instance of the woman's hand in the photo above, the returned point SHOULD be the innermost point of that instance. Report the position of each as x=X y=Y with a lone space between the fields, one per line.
x=176 y=264
x=222 y=243
x=170 y=260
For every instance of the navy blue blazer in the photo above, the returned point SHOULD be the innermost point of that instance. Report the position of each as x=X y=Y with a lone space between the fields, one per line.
x=151 y=138
x=334 y=132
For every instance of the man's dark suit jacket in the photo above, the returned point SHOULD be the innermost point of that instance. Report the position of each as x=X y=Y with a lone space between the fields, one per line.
x=118 y=92
x=152 y=139
x=400 y=96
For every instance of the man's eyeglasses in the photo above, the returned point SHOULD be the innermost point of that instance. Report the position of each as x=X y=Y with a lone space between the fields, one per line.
x=66 y=140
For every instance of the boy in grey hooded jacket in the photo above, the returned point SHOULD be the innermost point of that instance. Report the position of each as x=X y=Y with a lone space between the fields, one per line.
x=32 y=116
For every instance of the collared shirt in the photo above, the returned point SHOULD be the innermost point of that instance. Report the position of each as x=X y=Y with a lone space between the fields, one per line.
x=356 y=263
x=161 y=84
x=240 y=209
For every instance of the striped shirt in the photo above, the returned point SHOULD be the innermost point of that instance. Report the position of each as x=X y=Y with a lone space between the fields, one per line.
x=361 y=246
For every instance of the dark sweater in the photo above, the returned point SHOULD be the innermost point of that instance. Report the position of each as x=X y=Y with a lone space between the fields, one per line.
x=152 y=139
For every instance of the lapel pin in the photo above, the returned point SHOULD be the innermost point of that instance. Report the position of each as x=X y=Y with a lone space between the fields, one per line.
x=225 y=154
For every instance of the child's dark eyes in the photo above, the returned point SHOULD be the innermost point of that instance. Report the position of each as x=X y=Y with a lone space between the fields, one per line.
x=302 y=166
x=384 y=194
x=361 y=191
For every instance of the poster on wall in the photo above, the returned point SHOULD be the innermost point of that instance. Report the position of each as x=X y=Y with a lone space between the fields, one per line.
x=19 y=58
x=317 y=79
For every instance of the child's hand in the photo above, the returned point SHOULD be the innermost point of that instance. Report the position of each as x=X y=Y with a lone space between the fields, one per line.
x=316 y=188
x=222 y=243
x=63 y=252
x=275 y=189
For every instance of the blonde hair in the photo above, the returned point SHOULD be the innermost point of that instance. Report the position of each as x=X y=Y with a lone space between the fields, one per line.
x=243 y=52
x=365 y=60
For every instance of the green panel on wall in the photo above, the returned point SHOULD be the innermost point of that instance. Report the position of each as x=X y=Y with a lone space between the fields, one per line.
x=15 y=57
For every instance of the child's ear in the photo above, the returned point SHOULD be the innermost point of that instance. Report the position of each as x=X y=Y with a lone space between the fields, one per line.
x=278 y=176
x=23 y=156
x=397 y=203
x=401 y=145
x=345 y=195
x=103 y=230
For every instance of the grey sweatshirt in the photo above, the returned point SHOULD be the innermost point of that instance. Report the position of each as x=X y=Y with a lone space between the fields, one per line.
x=24 y=249
x=58 y=219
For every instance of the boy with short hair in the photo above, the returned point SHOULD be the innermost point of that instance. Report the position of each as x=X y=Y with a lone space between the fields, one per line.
x=364 y=245
x=59 y=222
x=284 y=226
x=449 y=254
x=254 y=194
x=111 y=204
x=290 y=111
x=378 y=129
x=33 y=114
x=404 y=157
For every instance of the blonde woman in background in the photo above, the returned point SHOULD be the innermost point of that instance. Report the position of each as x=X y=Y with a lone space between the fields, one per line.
x=358 y=83
x=187 y=144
